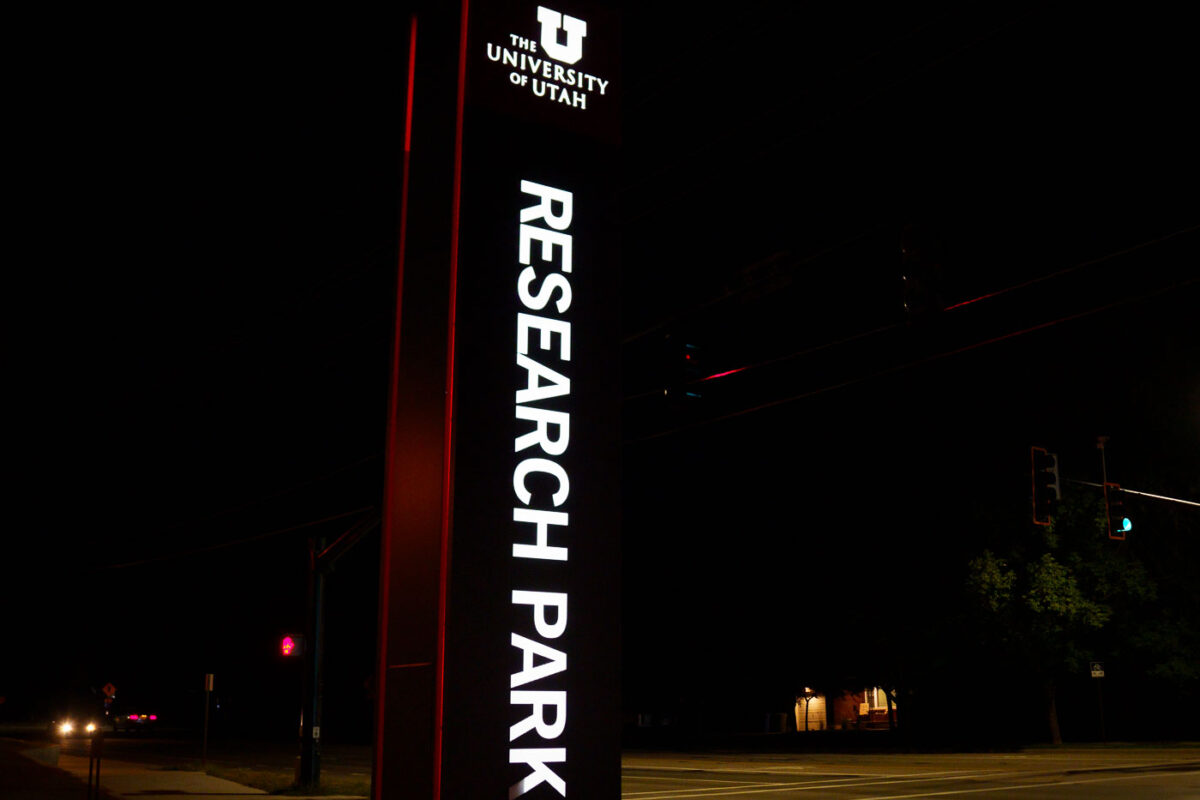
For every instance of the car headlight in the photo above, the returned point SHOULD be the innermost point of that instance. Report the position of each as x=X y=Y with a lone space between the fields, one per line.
x=91 y=727
x=66 y=728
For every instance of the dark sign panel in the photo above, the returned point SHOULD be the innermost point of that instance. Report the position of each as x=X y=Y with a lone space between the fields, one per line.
x=499 y=631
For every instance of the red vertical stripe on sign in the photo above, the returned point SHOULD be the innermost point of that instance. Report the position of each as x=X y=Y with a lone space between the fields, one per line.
x=408 y=106
x=389 y=497
x=448 y=441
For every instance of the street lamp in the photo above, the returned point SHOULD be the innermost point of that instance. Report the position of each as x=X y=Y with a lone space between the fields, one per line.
x=807 y=696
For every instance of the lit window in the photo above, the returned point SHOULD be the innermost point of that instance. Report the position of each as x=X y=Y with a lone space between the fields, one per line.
x=876 y=698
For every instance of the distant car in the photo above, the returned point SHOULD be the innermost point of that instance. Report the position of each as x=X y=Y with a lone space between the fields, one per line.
x=133 y=722
x=132 y=715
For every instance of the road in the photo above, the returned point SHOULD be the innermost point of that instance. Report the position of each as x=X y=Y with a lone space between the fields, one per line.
x=1170 y=773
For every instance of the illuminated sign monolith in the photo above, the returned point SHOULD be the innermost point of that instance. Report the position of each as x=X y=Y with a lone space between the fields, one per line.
x=499 y=610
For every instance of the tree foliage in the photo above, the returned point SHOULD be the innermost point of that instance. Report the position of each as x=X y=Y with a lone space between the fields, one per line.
x=1058 y=586
x=1060 y=596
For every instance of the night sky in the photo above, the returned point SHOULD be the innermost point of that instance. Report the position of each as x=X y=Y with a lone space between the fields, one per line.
x=198 y=315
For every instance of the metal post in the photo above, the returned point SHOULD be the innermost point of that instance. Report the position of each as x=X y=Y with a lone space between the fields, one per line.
x=208 y=686
x=98 y=743
x=310 y=717
x=95 y=751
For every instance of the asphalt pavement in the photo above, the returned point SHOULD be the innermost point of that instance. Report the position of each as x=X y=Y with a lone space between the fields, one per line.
x=1112 y=772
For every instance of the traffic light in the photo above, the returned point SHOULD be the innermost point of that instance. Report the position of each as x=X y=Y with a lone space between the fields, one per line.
x=1046 y=490
x=692 y=367
x=292 y=644
x=920 y=266
x=1118 y=523
x=683 y=368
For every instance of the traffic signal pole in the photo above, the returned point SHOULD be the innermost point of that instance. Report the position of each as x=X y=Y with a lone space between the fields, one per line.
x=309 y=774
x=1100 y=442
x=320 y=560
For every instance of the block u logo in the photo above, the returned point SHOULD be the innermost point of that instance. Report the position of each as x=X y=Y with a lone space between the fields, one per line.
x=552 y=23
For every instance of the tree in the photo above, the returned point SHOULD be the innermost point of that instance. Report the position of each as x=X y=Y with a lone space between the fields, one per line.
x=1049 y=599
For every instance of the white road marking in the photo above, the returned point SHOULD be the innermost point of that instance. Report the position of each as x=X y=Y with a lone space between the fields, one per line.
x=759 y=788
x=749 y=789
x=1016 y=786
x=664 y=778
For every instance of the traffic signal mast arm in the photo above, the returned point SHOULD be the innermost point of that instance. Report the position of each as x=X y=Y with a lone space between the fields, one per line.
x=1140 y=494
x=1046 y=490
x=326 y=558
x=1114 y=504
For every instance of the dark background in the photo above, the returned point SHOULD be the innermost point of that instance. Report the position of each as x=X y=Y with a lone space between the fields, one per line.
x=198 y=312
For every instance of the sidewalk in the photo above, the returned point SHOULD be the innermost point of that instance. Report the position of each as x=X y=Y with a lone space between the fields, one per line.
x=23 y=777
x=123 y=779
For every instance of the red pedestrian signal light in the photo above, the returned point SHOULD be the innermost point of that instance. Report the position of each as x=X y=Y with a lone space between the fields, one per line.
x=291 y=645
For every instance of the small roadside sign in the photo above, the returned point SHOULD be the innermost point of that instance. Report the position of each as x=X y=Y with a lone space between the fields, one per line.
x=109 y=690
x=1097 y=669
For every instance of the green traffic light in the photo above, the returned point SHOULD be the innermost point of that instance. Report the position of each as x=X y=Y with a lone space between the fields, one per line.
x=1126 y=524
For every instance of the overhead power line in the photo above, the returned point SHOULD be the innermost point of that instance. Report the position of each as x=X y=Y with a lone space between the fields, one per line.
x=907 y=365
x=272 y=495
x=1075 y=267
x=237 y=542
x=885 y=328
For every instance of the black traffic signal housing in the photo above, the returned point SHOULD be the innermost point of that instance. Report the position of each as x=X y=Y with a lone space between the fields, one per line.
x=1046 y=488
x=921 y=267
x=683 y=368
x=1114 y=503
